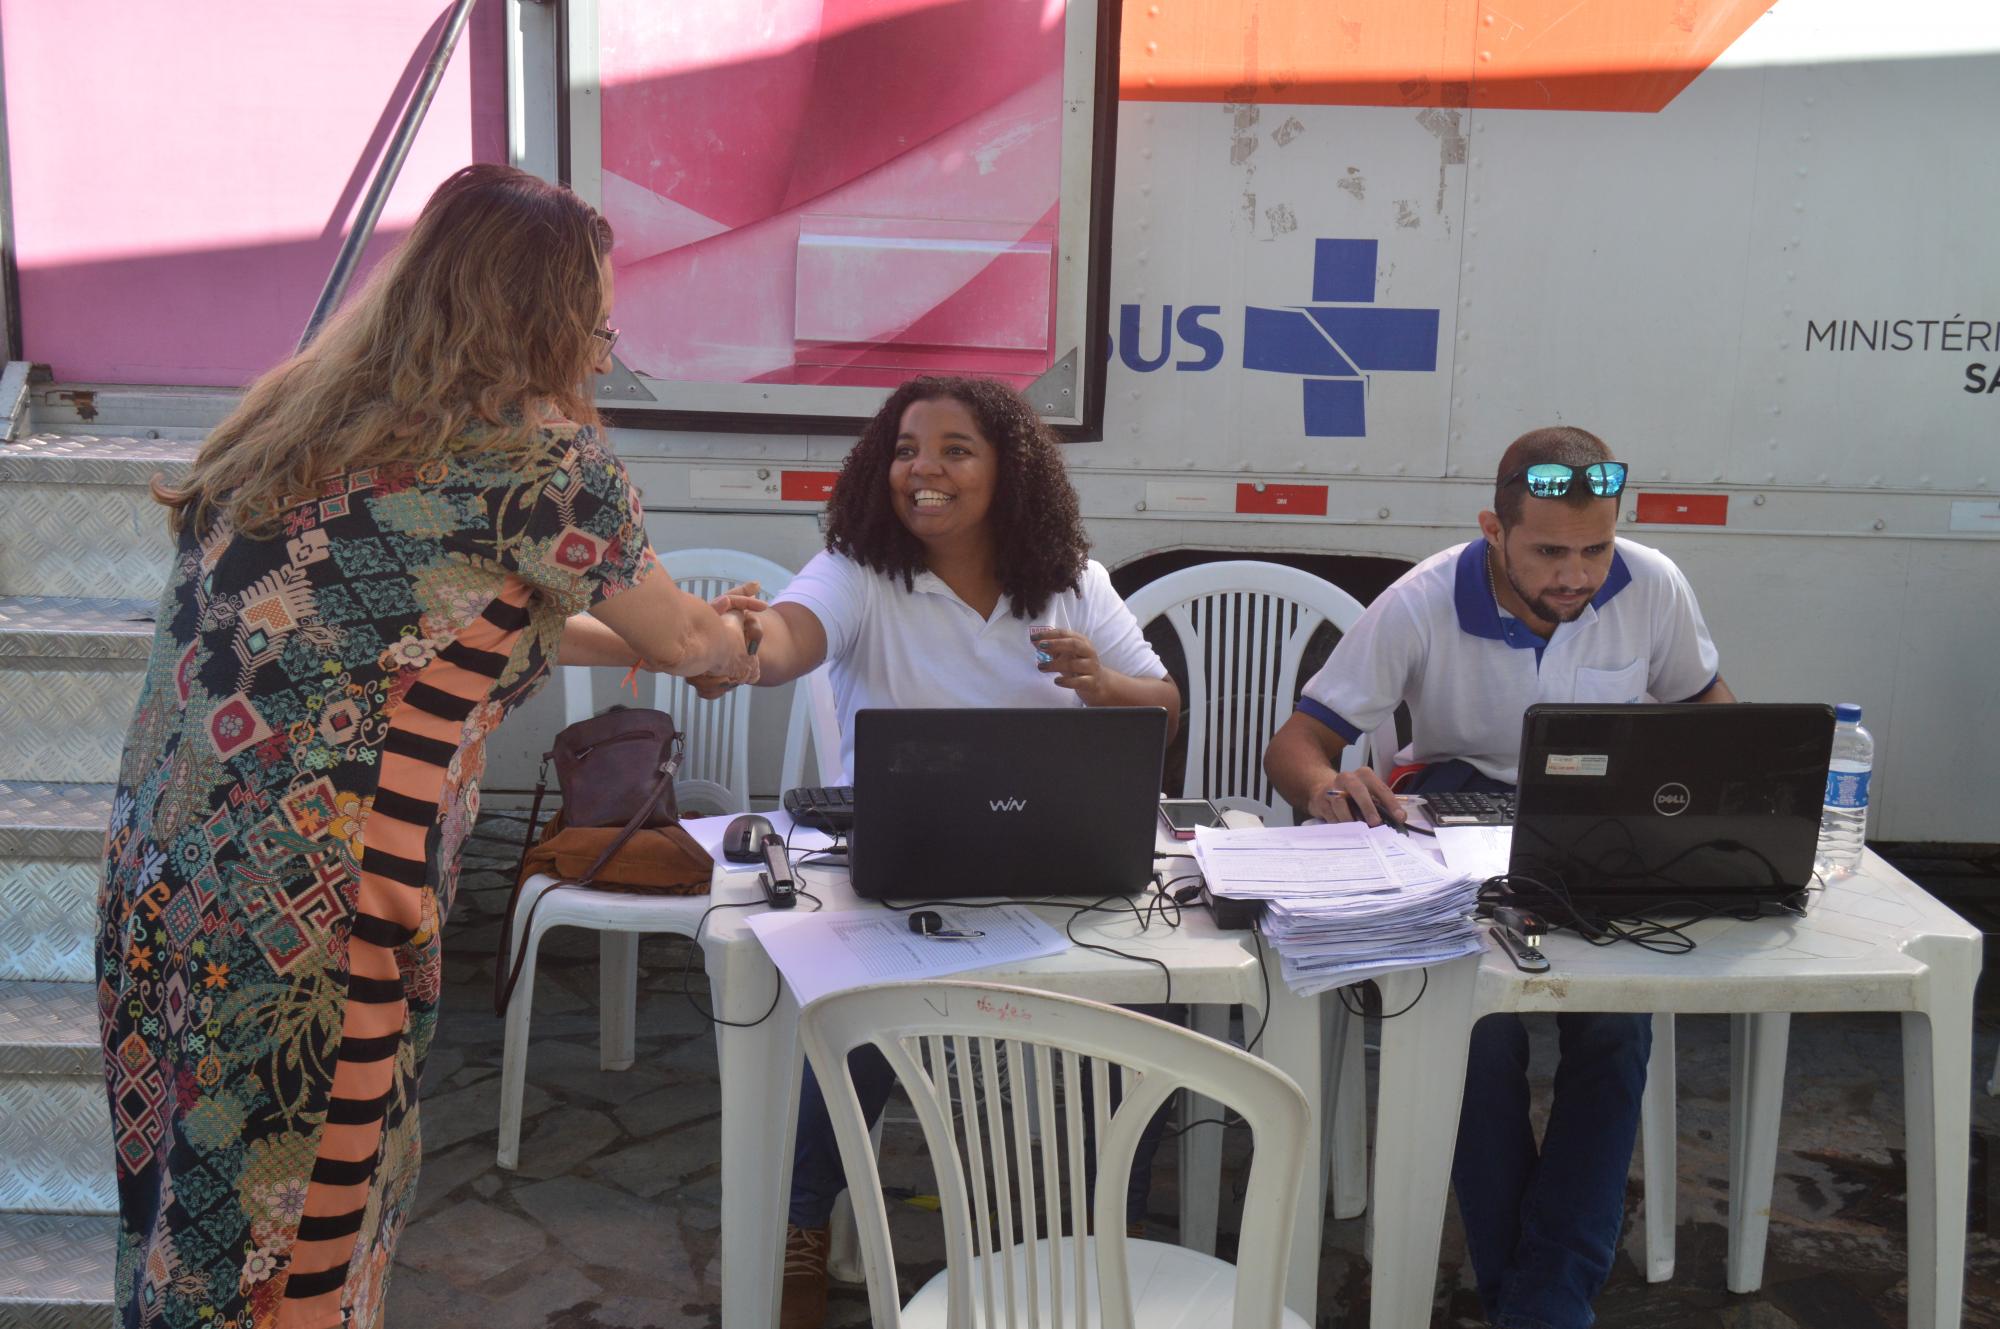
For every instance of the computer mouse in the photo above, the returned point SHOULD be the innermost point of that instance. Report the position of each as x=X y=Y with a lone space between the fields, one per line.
x=926 y=921
x=743 y=839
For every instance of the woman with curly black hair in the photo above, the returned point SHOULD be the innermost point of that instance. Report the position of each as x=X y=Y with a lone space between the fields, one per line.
x=956 y=573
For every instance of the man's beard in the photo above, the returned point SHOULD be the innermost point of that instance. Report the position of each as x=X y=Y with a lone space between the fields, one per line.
x=1541 y=608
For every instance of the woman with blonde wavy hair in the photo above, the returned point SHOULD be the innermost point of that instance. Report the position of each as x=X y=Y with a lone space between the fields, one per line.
x=379 y=555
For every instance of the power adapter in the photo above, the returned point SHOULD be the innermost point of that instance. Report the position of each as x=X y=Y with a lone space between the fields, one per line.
x=1232 y=915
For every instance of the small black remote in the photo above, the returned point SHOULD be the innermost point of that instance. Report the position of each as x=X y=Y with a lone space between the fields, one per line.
x=781 y=889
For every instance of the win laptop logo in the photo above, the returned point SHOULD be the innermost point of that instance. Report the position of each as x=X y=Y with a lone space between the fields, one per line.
x=1341 y=340
x=1008 y=804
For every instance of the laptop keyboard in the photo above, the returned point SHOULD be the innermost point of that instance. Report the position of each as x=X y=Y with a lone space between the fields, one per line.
x=1461 y=809
x=829 y=808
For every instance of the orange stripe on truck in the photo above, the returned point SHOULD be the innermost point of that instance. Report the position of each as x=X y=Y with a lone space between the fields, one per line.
x=1536 y=55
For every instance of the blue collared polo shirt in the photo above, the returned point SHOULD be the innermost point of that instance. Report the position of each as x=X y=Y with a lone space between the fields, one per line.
x=1438 y=640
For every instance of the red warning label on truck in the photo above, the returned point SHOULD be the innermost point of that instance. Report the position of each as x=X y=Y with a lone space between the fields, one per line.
x=1685 y=509
x=1298 y=500
x=806 y=486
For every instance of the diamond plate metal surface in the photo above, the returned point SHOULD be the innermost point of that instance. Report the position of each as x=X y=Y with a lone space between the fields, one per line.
x=75 y=522
x=66 y=721
x=80 y=459
x=82 y=539
x=48 y=1029
x=56 y=1271
x=37 y=627
x=93 y=1315
x=55 y=1123
x=48 y=916
x=55 y=1145
x=53 y=821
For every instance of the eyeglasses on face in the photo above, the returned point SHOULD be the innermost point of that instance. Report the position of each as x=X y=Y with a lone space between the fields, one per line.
x=608 y=335
x=1552 y=479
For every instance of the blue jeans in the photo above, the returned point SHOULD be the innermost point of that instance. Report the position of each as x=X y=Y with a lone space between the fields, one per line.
x=818 y=1179
x=1541 y=1224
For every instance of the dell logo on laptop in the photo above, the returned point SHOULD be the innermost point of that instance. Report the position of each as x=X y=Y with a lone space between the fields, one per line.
x=1008 y=804
x=1670 y=800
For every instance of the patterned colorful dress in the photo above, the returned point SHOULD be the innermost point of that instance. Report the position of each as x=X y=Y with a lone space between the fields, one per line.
x=300 y=776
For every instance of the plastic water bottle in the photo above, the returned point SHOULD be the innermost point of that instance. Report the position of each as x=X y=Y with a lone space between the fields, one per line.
x=1845 y=817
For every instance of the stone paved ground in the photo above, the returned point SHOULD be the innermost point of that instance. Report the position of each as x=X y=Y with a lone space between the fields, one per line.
x=611 y=1221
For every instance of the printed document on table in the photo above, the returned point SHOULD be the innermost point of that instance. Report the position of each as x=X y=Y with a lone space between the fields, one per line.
x=1477 y=852
x=1286 y=860
x=1334 y=859
x=819 y=953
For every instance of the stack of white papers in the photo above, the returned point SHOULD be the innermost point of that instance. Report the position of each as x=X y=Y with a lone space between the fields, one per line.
x=1347 y=901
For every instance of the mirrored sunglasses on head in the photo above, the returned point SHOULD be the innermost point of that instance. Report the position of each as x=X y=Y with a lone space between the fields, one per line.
x=1553 y=479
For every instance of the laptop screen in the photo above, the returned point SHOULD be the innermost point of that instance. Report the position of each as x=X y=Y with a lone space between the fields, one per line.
x=957 y=804
x=1627 y=806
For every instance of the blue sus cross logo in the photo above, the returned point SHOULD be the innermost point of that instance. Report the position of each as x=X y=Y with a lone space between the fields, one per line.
x=1340 y=339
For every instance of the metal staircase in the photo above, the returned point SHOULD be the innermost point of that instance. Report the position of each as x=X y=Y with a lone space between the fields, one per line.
x=83 y=556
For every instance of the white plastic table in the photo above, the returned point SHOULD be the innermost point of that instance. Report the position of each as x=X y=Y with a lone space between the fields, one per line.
x=1872 y=941
x=760 y=1065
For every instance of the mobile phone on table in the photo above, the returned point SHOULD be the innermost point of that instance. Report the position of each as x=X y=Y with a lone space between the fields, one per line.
x=1184 y=815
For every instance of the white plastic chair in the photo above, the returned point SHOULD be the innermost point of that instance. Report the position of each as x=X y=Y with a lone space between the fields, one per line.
x=997 y=1077
x=1243 y=627
x=620 y=918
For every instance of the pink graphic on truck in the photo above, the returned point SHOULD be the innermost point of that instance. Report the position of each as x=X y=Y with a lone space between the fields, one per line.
x=833 y=191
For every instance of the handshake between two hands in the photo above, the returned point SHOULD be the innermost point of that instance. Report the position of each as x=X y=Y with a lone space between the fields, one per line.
x=740 y=603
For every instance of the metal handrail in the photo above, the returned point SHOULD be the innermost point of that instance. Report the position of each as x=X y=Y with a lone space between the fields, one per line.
x=386 y=173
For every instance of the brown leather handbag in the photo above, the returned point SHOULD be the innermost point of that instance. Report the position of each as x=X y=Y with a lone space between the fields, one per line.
x=619 y=816
x=599 y=771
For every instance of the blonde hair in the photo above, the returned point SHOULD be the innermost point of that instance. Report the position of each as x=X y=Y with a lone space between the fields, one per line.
x=484 y=315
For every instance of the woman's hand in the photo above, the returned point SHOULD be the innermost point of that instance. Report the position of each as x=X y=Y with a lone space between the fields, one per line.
x=742 y=625
x=1073 y=660
x=745 y=629
x=711 y=686
x=786 y=641
x=748 y=598
x=745 y=602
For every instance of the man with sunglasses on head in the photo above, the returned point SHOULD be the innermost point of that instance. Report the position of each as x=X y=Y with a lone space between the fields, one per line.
x=1550 y=606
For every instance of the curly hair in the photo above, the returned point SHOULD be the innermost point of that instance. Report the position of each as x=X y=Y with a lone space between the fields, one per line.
x=1037 y=527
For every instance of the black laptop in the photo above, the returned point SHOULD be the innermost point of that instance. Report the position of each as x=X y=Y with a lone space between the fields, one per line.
x=1631 y=808
x=960 y=804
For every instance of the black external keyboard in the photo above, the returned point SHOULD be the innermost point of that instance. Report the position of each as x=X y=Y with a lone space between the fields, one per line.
x=829 y=809
x=1460 y=809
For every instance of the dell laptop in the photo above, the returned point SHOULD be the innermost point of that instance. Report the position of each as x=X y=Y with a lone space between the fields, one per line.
x=961 y=804
x=1628 y=808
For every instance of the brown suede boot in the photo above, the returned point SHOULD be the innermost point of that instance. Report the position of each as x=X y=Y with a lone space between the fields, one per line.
x=802 y=1305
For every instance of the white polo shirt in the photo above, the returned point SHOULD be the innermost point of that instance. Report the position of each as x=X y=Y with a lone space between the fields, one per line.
x=890 y=647
x=1438 y=640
